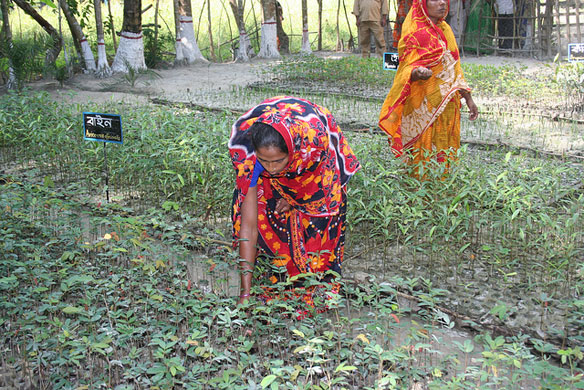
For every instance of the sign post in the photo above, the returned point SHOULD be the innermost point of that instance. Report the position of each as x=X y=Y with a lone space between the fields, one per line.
x=576 y=52
x=103 y=128
x=390 y=61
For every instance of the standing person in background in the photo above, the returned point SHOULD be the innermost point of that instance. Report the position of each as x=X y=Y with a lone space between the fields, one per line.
x=371 y=17
x=403 y=7
x=421 y=113
x=283 y=40
x=457 y=18
x=292 y=165
x=505 y=10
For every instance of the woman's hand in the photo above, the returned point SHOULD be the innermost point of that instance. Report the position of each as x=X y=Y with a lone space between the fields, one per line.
x=472 y=107
x=421 y=73
x=282 y=206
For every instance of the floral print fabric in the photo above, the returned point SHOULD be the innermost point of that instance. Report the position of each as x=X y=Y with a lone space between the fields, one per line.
x=310 y=237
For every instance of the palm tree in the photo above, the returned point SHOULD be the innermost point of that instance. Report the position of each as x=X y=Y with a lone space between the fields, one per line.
x=245 y=48
x=269 y=42
x=130 y=53
x=103 y=68
x=187 y=50
x=81 y=44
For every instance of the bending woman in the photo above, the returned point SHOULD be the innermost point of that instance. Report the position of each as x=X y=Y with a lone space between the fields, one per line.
x=292 y=165
x=421 y=113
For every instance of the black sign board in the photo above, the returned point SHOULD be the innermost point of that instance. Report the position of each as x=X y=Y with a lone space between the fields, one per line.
x=575 y=52
x=102 y=127
x=390 y=61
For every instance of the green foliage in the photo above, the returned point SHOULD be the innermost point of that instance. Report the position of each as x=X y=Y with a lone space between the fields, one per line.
x=507 y=80
x=158 y=52
x=110 y=306
x=26 y=57
x=347 y=71
x=101 y=295
x=570 y=78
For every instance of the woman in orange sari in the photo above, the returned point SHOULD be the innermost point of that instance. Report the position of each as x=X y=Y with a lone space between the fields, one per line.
x=292 y=165
x=421 y=113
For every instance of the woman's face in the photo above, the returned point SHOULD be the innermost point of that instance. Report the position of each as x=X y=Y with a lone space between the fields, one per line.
x=437 y=9
x=272 y=158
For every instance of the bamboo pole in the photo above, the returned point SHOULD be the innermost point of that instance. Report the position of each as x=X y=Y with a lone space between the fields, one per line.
x=351 y=44
x=200 y=18
x=558 y=27
x=156 y=54
x=112 y=28
x=549 y=23
x=338 y=31
x=210 y=30
x=578 y=28
x=568 y=27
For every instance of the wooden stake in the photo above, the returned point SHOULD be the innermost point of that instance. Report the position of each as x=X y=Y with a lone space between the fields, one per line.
x=112 y=28
x=558 y=27
x=578 y=29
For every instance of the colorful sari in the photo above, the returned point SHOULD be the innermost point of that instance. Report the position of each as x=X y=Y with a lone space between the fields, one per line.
x=424 y=116
x=310 y=237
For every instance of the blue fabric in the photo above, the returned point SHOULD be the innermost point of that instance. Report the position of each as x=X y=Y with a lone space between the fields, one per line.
x=257 y=171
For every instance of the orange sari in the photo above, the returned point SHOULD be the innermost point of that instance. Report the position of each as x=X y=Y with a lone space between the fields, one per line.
x=424 y=116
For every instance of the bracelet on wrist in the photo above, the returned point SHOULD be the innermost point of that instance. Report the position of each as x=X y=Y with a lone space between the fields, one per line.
x=244 y=295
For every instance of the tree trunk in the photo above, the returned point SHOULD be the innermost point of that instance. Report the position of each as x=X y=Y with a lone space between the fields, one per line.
x=52 y=53
x=111 y=24
x=245 y=50
x=305 y=49
x=211 y=45
x=338 y=31
x=103 y=68
x=269 y=42
x=319 y=25
x=12 y=82
x=130 y=53
x=81 y=44
x=187 y=50
x=351 y=44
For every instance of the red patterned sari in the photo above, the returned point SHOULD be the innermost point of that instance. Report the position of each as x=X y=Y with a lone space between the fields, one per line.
x=424 y=116
x=310 y=237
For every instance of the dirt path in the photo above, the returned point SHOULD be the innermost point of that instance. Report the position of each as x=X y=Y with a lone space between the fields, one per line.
x=197 y=78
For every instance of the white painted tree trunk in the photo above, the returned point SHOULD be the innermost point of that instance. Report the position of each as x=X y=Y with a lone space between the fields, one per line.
x=305 y=49
x=186 y=43
x=269 y=41
x=103 y=68
x=87 y=55
x=12 y=82
x=244 y=48
x=130 y=53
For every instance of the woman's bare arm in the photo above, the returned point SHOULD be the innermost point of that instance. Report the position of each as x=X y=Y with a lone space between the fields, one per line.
x=248 y=241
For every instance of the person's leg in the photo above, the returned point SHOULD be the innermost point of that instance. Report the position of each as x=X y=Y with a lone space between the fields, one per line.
x=379 y=39
x=364 y=39
x=505 y=29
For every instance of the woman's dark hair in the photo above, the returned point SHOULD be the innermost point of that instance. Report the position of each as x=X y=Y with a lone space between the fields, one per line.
x=265 y=136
